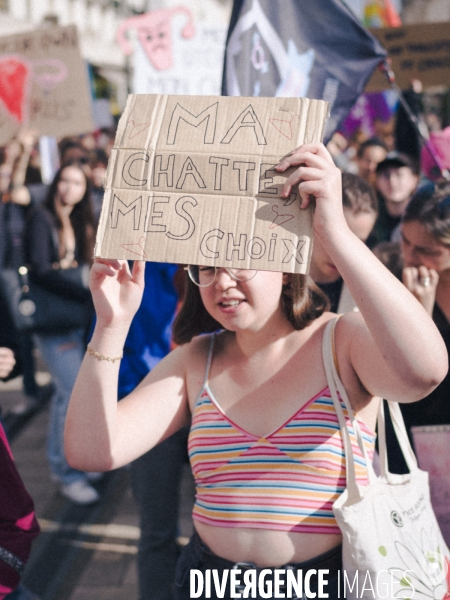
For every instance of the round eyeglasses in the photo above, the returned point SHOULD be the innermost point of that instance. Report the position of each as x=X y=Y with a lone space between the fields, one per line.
x=205 y=276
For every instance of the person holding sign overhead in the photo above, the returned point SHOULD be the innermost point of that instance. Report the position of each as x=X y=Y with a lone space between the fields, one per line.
x=255 y=391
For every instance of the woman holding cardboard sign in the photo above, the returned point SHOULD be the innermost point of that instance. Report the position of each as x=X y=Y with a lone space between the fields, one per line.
x=256 y=392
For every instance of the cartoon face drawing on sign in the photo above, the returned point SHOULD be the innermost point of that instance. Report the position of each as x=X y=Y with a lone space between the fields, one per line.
x=293 y=68
x=154 y=33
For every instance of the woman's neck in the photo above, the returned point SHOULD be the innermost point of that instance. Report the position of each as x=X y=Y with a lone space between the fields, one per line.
x=63 y=211
x=271 y=336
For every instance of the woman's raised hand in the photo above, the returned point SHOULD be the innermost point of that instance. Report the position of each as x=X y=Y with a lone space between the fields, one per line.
x=422 y=283
x=7 y=361
x=316 y=176
x=116 y=291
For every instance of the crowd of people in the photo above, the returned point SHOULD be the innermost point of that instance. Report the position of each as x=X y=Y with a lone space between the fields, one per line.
x=264 y=340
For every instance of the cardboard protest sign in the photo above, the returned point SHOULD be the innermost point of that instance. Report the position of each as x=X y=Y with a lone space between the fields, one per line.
x=417 y=52
x=432 y=445
x=191 y=179
x=43 y=84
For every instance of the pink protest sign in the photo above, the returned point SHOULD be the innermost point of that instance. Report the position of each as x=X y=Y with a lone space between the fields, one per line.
x=432 y=445
x=154 y=33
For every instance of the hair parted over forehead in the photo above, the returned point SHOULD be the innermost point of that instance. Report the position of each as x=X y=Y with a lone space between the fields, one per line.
x=371 y=143
x=431 y=207
x=302 y=302
x=358 y=195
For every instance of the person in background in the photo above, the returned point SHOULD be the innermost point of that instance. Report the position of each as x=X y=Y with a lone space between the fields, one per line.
x=369 y=155
x=397 y=177
x=156 y=475
x=10 y=363
x=15 y=207
x=425 y=243
x=60 y=236
x=437 y=150
x=390 y=254
x=18 y=523
x=7 y=362
x=360 y=210
x=98 y=161
x=70 y=150
x=342 y=153
x=407 y=140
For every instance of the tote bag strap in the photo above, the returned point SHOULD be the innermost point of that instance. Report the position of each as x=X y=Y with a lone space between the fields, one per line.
x=335 y=385
x=402 y=437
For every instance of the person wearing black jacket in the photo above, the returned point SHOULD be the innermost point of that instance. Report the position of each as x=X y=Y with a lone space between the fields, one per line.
x=60 y=236
x=15 y=205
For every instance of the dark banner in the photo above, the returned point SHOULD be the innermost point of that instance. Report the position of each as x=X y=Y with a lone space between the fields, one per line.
x=300 y=48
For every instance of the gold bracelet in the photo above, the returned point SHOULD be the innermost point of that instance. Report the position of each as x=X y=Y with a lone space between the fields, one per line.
x=102 y=357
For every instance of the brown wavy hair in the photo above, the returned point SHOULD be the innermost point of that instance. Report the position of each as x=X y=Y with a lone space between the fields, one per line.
x=302 y=302
x=82 y=216
x=431 y=207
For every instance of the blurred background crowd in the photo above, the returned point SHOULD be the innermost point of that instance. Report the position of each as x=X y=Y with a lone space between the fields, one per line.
x=396 y=163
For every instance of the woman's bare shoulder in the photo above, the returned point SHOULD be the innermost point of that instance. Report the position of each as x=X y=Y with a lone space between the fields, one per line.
x=198 y=346
x=194 y=354
x=317 y=326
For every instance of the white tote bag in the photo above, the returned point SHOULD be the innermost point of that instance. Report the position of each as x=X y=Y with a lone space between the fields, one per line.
x=392 y=545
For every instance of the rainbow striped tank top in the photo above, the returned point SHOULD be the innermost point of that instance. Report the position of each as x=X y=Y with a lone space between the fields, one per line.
x=287 y=480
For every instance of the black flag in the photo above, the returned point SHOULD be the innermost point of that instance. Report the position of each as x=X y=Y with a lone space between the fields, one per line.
x=301 y=48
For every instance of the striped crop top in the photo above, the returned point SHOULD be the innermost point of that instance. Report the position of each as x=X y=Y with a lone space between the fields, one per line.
x=287 y=480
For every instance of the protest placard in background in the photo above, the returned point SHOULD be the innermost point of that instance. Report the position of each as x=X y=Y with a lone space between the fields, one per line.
x=197 y=67
x=172 y=53
x=43 y=84
x=432 y=446
x=191 y=179
x=417 y=52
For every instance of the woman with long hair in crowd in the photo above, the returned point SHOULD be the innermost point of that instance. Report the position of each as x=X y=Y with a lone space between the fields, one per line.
x=265 y=444
x=425 y=242
x=60 y=241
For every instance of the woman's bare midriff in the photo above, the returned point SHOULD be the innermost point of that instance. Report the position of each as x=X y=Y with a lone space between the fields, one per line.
x=265 y=547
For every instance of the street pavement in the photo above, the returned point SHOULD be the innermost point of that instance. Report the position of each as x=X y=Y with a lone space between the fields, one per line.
x=82 y=553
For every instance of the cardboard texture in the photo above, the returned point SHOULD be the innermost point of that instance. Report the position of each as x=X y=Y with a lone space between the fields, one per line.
x=417 y=52
x=43 y=84
x=190 y=180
